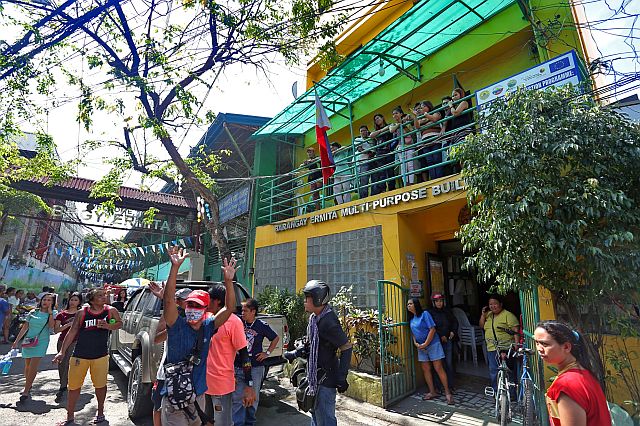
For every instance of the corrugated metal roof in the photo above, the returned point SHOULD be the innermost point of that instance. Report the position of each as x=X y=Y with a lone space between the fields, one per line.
x=126 y=193
x=424 y=29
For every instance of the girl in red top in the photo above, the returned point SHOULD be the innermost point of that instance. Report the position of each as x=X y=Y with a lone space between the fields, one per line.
x=62 y=324
x=575 y=398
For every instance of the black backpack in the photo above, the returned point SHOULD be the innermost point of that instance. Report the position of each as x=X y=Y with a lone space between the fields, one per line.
x=179 y=378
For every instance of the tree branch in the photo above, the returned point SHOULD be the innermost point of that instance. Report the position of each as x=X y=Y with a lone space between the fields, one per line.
x=136 y=164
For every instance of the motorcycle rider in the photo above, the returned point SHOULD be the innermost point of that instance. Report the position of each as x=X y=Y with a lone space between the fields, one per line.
x=326 y=372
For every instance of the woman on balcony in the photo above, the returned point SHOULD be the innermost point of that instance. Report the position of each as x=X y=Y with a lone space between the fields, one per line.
x=430 y=351
x=460 y=125
x=429 y=139
x=385 y=162
x=402 y=132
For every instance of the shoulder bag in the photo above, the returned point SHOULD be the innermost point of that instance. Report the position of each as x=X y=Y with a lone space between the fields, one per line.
x=32 y=342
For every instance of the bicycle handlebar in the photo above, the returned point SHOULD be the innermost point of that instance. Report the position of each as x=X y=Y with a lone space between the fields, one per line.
x=509 y=331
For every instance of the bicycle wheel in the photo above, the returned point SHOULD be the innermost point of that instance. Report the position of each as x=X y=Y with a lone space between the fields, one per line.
x=503 y=400
x=528 y=415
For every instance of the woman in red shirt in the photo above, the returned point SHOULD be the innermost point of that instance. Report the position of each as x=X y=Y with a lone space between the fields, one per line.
x=575 y=398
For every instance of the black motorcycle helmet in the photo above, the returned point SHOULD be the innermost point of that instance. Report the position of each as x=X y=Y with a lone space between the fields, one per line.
x=319 y=292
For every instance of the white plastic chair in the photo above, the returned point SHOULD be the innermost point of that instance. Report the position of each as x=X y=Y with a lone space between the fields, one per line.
x=469 y=335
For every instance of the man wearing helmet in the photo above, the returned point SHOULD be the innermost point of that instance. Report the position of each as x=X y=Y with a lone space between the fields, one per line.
x=326 y=372
x=446 y=328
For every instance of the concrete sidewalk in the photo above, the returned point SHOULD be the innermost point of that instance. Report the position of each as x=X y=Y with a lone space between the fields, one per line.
x=408 y=412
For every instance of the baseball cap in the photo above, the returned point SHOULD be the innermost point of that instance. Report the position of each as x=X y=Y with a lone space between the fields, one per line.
x=183 y=293
x=200 y=297
x=437 y=296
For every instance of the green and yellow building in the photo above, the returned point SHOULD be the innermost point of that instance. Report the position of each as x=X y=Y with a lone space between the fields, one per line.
x=398 y=53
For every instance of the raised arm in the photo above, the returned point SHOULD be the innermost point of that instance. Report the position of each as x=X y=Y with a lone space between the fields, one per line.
x=229 y=268
x=170 y=311
x=161 y=332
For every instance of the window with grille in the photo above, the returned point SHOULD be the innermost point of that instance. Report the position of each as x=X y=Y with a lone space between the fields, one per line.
x=347 y=259
x=276 y=266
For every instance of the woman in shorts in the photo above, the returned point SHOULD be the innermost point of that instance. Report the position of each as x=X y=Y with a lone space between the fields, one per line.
x=430 y=350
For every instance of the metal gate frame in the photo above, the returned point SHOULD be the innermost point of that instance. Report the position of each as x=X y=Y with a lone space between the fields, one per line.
x=530 y=309
x=397 y=366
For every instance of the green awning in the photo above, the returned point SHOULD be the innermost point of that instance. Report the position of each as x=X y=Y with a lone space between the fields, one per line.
x=161 y=272
x=422 y=30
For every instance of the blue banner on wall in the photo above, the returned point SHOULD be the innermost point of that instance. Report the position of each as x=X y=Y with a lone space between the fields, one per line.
x=234 y=204
x=561 y=70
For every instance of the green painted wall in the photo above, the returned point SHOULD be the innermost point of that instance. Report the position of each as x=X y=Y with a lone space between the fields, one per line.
x=265 y=163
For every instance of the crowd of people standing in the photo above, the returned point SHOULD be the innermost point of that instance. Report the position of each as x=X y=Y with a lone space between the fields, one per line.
x=413 y=147
x=212 y=366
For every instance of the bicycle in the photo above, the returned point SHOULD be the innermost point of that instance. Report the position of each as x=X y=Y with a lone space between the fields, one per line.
x=525 y=385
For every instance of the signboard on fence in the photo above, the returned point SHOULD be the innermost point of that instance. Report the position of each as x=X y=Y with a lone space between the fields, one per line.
x=234 y=204
x=556 y=72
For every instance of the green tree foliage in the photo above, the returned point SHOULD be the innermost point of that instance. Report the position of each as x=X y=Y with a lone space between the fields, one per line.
x=13 y=202
x=553 y=183
x=282 y=302
x=149 y=67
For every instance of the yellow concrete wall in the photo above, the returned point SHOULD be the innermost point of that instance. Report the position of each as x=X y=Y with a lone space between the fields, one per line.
x=618 y=391
x=395 y=228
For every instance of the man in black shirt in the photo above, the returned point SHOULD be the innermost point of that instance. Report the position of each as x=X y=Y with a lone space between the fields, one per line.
x=326 y=372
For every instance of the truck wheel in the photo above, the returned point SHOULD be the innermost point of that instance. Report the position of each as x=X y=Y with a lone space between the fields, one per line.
x=138 y=393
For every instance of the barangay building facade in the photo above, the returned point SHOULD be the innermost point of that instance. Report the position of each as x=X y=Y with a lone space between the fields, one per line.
x=400 y=53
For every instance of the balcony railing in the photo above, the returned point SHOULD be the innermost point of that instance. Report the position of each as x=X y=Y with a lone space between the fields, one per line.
x=396 y=163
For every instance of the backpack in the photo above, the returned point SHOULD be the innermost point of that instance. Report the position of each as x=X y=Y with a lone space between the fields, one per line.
x=179 y=378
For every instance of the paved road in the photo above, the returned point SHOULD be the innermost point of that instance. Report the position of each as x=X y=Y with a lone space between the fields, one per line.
x=277 y=405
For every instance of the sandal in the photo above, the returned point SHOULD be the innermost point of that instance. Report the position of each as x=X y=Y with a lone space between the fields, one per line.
x=449 y=399
x=67 y=422
x=429 y=396
x=99 y=419
x=24 y=397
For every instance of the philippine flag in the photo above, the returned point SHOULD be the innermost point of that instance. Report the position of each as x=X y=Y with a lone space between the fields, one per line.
x=326 y=158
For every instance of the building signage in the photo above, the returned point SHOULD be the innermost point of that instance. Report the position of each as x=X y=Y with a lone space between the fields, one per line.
x=234 y=204
x=125 y=218
x=381 y=203
x=555 y=72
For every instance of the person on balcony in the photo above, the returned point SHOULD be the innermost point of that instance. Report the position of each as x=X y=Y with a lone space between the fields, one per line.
x=364 y=159
x=385 y=159
x=342 y=176
x=459 y=126
x=314 y=178
x=429 y=139
x=402 y=129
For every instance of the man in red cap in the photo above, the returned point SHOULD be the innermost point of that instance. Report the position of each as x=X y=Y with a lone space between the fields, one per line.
x=446 y=328
x=188 y=346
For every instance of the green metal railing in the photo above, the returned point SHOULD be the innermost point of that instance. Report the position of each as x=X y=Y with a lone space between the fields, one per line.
x=530 y=308
x=290 y=195
x=396 y=349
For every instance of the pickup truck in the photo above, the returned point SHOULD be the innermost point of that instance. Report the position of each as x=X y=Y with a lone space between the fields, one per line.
x=131 y=348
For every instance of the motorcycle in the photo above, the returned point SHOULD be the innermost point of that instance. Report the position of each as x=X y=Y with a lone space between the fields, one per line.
x=298 y=357
x=22 y=316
